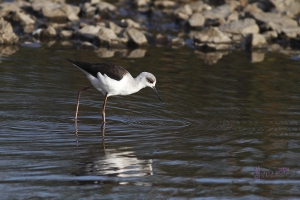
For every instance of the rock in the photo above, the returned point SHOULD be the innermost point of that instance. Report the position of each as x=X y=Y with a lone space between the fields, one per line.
x=89 y=10
x=199 y=6
x=117 y=29
x=7 y=35
x=219 y=13
x=254 y=8
x=233 y=16
x=255 y=41
x=276 y=22
x=38 y=5
x=105 y=9
x=211 y=35
x=244 y=27
x=12 y=7
x=66 y=34
x=196 y=20
x=289 y=7
x=135 y=36
x=270 y=35
x=106 y=35
x=23 y=18
x=142 y=5
x=54 y=13
x=161 y=40
x=71 y=12
x=130 y=23
x=183 y=12
x=177 y=41
x=88 y=32
x=164 y=4
x=28 y=28
x=49 y=32
x=274 y=48
x=212 y=38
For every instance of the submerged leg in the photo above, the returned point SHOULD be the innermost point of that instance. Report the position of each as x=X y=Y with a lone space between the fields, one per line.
x=78 y=98
x=103 y=108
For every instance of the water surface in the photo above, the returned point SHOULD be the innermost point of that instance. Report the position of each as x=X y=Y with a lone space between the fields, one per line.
x=221 y=119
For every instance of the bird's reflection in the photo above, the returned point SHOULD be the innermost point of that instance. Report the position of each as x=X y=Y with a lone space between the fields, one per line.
x=120 y=164
x=113 y=163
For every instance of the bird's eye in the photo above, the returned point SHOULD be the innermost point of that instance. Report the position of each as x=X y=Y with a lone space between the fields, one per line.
x=150 y=80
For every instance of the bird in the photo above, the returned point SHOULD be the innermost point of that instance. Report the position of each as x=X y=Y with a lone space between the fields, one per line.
x=111 y=80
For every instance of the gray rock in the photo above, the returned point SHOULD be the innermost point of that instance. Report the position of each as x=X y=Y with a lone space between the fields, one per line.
x=106 y=35
x=89 y=10
x=6 y=8
x=254 y=8
x=28 y=28
x=88 y=32
x=276 y=22
x=255 y=41
x=213 y=38
x=49 y=32
x=54 y=12
x=105 y=7
x=244 y=26
x=161 y=39
x=117 y=29
x=165 y=4
x=199 y=6
x=177 y=41
x=142 y=5
x=288 y=7
x=23 y=18
x=274 y=17
x=183 y=12
x=196 y=20
x=233 y=16
x=7 y=35
x=130 y=23
x=211 y=35
x=219 y=13
x=270 y=35
x=135 y=36
x=66 y=34
x=71 y=12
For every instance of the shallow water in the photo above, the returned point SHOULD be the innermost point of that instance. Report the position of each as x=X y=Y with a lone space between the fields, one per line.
x=218 y=123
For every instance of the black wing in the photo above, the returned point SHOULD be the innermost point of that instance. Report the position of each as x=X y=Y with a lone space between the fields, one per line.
x=111 y=70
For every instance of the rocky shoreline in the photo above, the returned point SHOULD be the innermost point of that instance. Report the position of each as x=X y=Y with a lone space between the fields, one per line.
x=225 y=25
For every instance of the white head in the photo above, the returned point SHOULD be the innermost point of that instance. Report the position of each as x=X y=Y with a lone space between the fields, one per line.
x=148 y=80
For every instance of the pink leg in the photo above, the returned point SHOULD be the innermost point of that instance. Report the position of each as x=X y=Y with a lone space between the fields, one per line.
x=78 y=98
x=103 y=108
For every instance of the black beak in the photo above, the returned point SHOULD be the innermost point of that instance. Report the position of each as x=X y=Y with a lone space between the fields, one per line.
x=157 y=94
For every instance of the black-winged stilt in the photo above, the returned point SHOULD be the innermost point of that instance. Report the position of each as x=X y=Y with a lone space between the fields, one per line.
x=111 y=80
